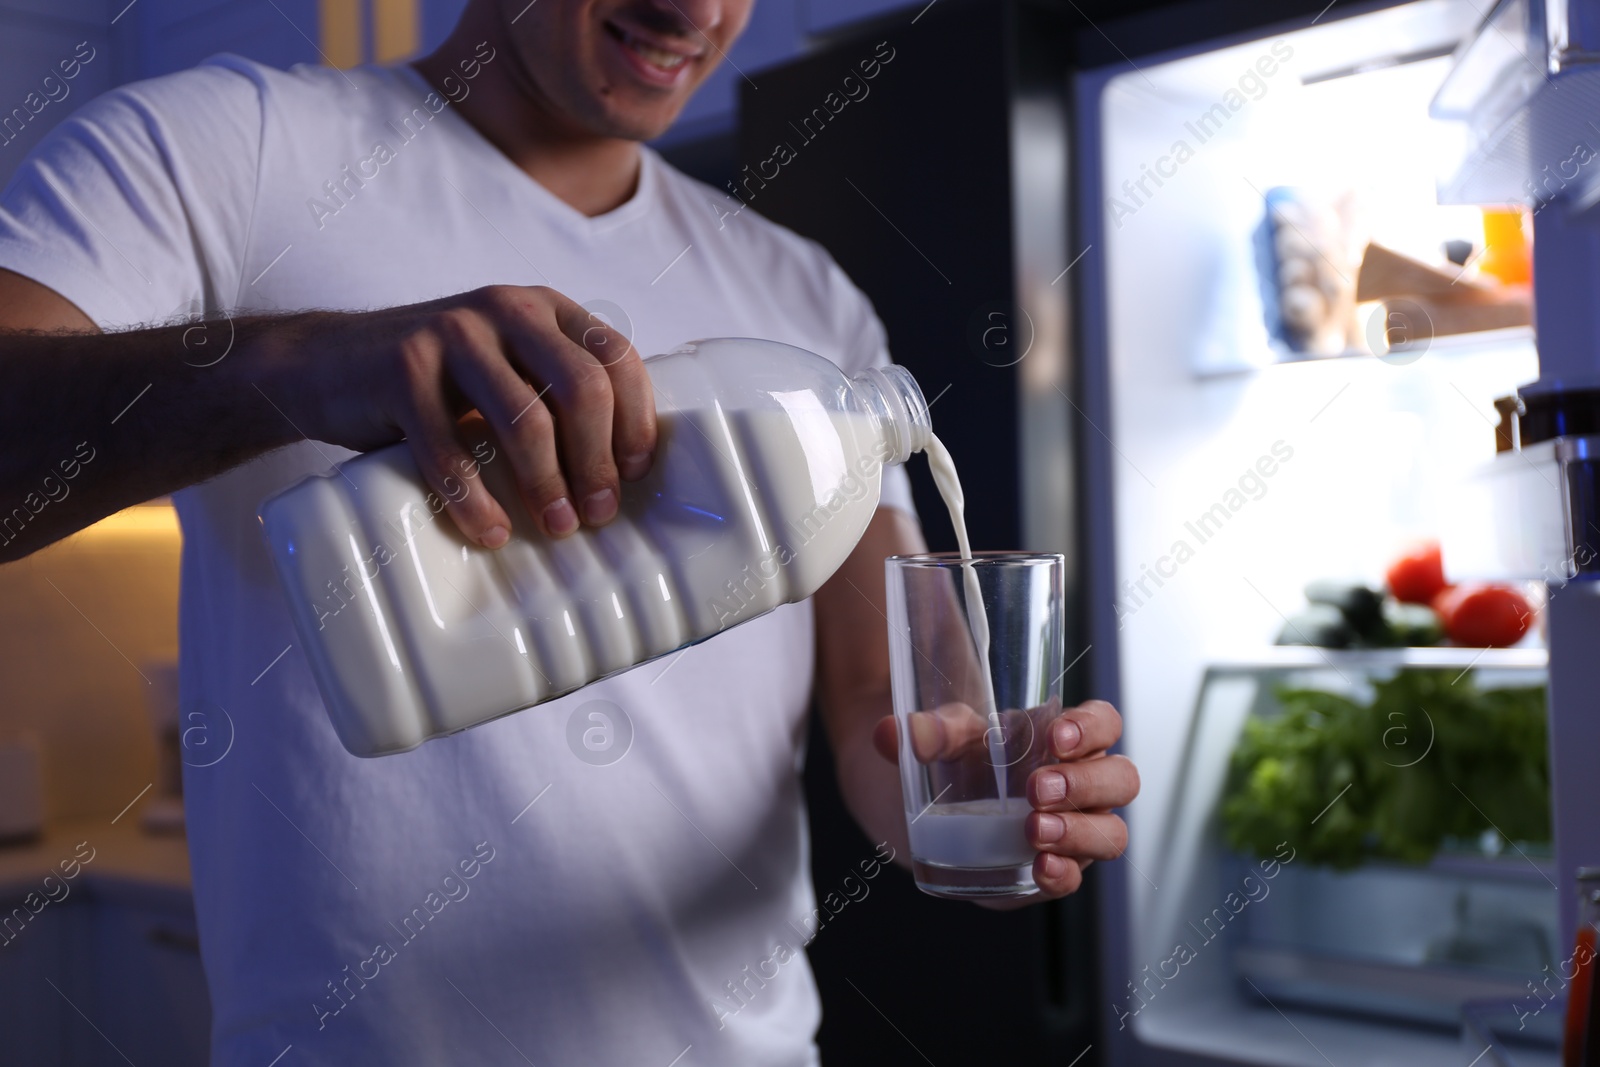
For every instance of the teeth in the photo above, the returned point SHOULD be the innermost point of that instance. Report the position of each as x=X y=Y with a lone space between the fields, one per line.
x=658 y=57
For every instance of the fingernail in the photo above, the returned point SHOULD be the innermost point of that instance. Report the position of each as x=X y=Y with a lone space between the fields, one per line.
x=600 y=507
x=494 y=537
x=1051 y=827
x=560 y=519
x=1068 y=735
x=1054 y=866
x=634 y=467
x=1052 y=788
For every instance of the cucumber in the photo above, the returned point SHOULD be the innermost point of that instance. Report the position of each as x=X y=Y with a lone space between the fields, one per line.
x=1322 y=625
x=1412 y=624
x=1361 y=606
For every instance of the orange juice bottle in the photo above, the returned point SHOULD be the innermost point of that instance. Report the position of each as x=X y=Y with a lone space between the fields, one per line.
x=1507 y=257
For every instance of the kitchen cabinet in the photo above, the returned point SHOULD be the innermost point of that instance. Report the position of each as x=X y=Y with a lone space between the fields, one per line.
x=35 y=957
x=110 y=972
x=148 y=988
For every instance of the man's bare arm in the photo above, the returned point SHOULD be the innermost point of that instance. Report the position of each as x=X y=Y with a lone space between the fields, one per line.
x=91 y=423
x=166 y=407
x=853 y=674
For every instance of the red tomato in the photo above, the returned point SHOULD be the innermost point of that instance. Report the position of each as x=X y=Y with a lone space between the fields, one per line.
x=1418 y=576
x=1483 y=615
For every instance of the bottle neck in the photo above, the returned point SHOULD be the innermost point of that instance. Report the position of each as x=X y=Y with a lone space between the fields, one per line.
x=892 y=396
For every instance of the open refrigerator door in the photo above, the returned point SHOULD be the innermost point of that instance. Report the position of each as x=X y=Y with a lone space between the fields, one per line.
x=1353 y=832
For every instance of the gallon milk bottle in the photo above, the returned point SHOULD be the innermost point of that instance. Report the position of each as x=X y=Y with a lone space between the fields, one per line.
x=767 y=471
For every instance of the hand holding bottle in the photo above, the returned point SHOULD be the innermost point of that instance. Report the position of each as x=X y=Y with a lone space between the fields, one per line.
x=565 y=394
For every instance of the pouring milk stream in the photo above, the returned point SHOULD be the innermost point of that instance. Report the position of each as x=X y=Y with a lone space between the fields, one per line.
x=943 y=468
x=971 y=833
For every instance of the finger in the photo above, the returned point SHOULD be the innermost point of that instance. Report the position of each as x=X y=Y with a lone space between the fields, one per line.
x=1082 y=835
x=1084 y=785
x=578 y=391
x=443 y=460
x=1091 y=727
x=1045 y=892
x=886 y=739
x=633 y=421
x=944 y=733
x=1056 y=876
x=520 y=419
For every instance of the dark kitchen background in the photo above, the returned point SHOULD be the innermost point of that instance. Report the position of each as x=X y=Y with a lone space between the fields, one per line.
x=1103 y=363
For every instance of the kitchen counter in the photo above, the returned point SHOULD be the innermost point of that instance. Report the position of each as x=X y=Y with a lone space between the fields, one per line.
x=128 y=863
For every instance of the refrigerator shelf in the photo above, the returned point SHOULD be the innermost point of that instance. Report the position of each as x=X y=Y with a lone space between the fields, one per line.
x=1448 y=346
x=1404 y=993
x=1517 y=864
x=1515 y=1034
x=1442 y=657
x=1458 y=344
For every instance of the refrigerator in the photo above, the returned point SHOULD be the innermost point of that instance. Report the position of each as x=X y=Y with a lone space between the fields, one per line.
x=1084 y=229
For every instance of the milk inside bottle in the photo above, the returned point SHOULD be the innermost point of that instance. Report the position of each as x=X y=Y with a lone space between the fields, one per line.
x=767 y=471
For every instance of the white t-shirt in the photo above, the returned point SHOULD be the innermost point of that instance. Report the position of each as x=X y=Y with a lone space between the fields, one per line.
x=415 y=909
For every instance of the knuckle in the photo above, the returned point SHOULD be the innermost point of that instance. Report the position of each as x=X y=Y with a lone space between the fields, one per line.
x=635 y=434
x=534 y=428
x=1068 y=881
x=495 y=296
x=1104 y=711
x=458 y=327
x=542 y=300
x=419 y=359
x=591 y=394
x=450 y=466
x=636 y=402
x=487 y=297
x=508 y=302
x=538 y=475
x=611 y=348
x=417 y=393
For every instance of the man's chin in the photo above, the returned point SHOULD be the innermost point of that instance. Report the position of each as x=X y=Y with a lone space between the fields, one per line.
x=636 y=127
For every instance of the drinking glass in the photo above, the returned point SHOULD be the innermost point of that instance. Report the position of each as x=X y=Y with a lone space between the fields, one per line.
x=972 y=720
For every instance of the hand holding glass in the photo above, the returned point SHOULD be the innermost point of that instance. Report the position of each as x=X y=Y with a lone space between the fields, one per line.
x=972 y=715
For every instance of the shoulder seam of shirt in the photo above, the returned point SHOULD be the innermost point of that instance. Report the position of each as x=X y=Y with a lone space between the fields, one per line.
x=244 y=68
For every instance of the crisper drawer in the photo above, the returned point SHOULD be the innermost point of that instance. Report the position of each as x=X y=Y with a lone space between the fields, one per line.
x=1359 y=832
x=1411 y=943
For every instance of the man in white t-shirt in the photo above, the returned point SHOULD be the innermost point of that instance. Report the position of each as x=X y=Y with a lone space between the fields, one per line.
x=502 y=895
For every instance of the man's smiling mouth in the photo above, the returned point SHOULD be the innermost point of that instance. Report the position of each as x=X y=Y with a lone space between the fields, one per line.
x=662 y=59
